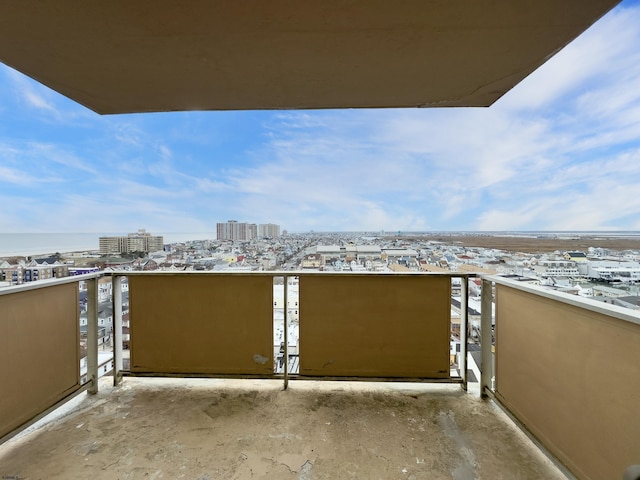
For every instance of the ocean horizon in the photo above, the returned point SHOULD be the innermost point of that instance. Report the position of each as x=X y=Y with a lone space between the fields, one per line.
x=30 y=244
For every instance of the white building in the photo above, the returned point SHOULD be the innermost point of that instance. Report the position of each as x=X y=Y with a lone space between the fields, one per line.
x=556 y=268
x=268 y=230
x=614 y=272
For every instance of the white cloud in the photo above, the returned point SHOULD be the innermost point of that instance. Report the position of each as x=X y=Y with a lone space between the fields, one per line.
x=16 y=177
x=32 y=93
x=59 y=155
x=37 y=101
x=599 y=53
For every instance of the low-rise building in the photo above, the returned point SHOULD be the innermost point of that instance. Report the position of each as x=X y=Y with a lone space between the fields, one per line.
x=614 y=272
x=557 y=268
x=24 y=272
x=141 y=241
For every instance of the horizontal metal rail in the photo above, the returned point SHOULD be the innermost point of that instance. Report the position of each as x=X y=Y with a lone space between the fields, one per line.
x=621 y=313
x=50 y=282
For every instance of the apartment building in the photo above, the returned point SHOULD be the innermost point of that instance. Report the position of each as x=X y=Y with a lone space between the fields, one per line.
x=614 y=272
x=141 y=241
x=236 y=231
x=23 y=272
x=268 y=230
x=557 y=268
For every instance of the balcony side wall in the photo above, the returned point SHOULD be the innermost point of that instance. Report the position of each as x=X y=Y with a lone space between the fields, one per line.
x=201 y=324
x=572 y=377
x=376 y=326
x=39 y=352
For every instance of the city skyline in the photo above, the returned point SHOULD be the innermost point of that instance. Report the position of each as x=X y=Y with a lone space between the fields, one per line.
x=561 y=151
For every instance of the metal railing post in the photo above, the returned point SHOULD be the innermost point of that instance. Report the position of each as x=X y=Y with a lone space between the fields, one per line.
x=464 y=321
x=117 y=329
x=92 y=335
x=286 y=332
x=486 y=365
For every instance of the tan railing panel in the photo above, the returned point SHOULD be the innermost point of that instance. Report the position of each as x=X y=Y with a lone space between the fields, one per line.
x=39 y=352
x=572 y=376
x=201 y=324
x=387 y=326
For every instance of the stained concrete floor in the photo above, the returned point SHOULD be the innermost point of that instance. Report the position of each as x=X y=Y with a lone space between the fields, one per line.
x=204 y=429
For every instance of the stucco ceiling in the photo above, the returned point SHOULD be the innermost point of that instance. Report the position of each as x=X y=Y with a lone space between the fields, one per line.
x=122 y=56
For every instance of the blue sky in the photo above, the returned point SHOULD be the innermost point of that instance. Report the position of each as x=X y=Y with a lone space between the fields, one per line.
x=561 y=151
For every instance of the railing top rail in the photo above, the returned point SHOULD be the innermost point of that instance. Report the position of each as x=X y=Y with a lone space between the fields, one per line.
x=292 y=273
x=51 y=282
x=615 y=311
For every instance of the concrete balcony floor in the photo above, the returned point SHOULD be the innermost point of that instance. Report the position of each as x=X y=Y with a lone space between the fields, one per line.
x=235 y=429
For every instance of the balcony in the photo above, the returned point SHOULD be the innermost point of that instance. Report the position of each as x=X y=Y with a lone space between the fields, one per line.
x=565 y=373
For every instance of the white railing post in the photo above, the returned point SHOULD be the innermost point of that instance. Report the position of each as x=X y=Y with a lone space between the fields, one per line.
x=286 y=331
x=92 y=335
x=486 y=365
x=117 y=329
x=464 y=312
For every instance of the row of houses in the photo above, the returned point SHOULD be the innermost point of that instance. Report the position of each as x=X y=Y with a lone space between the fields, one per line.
x=350 y=256
x=25 y=271
x=31 y=271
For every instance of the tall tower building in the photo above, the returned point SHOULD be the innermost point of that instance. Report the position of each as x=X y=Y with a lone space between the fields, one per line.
x=268 y=230
x=237 y=231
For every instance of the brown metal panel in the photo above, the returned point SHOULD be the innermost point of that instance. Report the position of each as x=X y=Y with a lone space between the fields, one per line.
x=39 y=352
x=123 y=56
x=391 y=326
x=201 y=324
x=572 y=377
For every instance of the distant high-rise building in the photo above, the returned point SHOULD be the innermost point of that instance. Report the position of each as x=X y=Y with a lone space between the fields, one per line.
x=234 y=230
x=268 y=230
x=141 y=241
x=252 y=231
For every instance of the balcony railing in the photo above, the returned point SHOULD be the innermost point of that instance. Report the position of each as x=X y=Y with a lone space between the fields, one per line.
x=565 y=368
x=39 y=347
x=352 y=326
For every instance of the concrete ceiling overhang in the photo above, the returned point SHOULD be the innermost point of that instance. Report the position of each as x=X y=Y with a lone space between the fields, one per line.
x=123 y=56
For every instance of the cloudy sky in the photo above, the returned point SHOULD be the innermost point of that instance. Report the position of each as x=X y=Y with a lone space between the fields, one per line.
x=561 y=151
